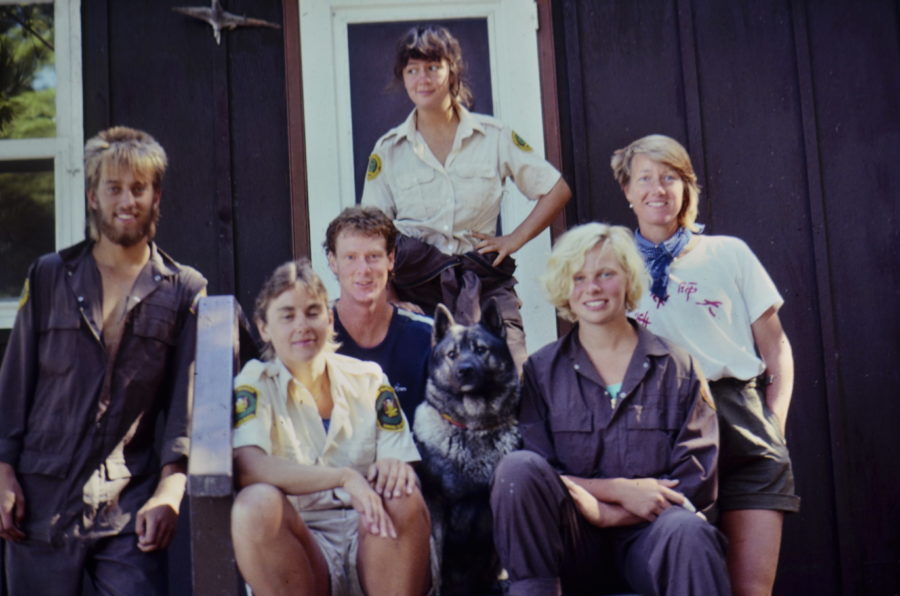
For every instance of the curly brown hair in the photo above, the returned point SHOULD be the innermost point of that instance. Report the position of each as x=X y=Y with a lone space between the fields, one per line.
x=370 y=221
x=435 y=43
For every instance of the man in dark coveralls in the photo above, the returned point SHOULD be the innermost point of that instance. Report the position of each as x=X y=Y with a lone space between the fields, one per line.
x=101 y=350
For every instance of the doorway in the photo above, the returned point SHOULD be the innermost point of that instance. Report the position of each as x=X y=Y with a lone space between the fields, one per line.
x=347 y=49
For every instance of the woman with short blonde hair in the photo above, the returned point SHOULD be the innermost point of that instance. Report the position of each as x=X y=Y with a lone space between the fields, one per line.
x=621 y=443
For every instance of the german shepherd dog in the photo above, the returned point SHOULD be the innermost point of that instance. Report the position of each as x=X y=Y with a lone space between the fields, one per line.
x=465 y=425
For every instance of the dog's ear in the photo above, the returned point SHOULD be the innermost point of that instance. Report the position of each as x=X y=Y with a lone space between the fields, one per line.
x=492 y=320
x=443 y=320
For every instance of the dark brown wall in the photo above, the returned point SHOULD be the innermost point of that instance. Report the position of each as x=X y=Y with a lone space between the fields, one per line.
x=220 y=113
x=789 y=110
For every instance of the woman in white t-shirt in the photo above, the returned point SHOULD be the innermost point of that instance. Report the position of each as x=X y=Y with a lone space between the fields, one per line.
x=711 y=295
x=328 y=502
x=440 y=176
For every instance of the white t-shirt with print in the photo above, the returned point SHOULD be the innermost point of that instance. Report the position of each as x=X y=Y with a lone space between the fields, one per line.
x=716 y=291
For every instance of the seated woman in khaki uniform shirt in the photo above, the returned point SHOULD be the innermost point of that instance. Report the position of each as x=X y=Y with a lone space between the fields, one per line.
x=328 y=501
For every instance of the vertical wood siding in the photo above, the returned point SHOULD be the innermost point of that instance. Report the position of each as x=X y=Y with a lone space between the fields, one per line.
x=789 y=110
x=220 y=113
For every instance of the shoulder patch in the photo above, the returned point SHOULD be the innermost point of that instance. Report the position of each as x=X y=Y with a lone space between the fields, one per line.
x=387 y=409
x=245 y=398
x=520 y=142
x=26 y=292
x=374 y=167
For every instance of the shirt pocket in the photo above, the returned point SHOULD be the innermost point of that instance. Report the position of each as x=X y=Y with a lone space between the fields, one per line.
x=478 y=191
x=59 y=341
x=575 y=442
x=417 y=197
x=649 y=440
x=154 y=331
x=157 y=321
x=42 y=463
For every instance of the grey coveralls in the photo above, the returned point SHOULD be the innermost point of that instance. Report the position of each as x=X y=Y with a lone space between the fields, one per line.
x=663 y=426
x=68 y=411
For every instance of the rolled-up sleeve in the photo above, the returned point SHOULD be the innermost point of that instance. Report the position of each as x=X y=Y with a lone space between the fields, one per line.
x=533 y=175
x=253 y=417
x=394 y=441
x=175 y=443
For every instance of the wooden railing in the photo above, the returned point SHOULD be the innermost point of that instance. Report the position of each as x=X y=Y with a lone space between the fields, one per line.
x=222 y=336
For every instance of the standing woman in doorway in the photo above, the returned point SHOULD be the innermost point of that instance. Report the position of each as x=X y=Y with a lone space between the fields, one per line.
x=711 y=295
x=440 y=175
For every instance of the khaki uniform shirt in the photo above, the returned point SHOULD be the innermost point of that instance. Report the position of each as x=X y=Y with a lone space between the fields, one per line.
x=441 y=203
x=277 y=414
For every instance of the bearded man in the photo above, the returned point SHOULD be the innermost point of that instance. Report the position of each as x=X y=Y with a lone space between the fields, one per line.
x=101 y=352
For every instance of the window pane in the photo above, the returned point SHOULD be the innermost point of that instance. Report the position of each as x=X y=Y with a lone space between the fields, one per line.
x=27 y=71
x=26 y=219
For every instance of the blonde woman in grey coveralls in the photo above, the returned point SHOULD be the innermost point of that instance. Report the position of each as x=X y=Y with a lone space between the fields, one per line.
x=621 y=439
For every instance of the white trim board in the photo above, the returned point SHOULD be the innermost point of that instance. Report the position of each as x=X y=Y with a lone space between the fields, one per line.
x=67 y=148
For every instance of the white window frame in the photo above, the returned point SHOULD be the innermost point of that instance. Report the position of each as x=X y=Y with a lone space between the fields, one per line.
x=66 y=149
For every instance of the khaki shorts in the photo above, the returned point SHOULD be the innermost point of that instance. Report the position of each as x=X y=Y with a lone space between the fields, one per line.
x=754 y=464
x=336 y=531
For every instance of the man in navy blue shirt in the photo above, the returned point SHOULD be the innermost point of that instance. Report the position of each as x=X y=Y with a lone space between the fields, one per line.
x=360 y=245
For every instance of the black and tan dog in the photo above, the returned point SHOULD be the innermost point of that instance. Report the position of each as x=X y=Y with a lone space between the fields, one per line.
x=465 y=425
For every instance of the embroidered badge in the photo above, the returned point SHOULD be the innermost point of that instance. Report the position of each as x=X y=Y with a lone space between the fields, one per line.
x=374 y=167
x=387 y=409
x=520 y=142
x=23 y=298
x=245 y=398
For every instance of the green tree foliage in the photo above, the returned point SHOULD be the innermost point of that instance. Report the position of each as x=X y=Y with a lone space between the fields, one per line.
x=26 y=223
x=27 y=108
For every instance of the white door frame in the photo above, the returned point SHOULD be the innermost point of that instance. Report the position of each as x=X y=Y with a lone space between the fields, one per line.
x=515 y=84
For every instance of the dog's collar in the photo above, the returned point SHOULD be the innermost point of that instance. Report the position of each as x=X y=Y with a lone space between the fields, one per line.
x=452 y=420
x=459 y=424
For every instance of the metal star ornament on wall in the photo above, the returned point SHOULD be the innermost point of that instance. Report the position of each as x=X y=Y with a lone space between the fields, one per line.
x=219 y=19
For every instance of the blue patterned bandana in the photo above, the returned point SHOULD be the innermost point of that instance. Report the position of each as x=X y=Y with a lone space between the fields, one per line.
x=658 y=258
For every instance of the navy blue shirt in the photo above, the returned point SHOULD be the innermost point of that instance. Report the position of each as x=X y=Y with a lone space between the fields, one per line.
x=403 y=355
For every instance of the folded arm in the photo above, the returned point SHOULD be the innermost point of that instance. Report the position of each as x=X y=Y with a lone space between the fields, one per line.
x=607 y=502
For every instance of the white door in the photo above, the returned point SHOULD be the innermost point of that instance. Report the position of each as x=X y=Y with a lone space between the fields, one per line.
x=515 y=98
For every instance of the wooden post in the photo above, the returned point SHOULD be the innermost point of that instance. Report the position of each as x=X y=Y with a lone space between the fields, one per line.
x=210 y=479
